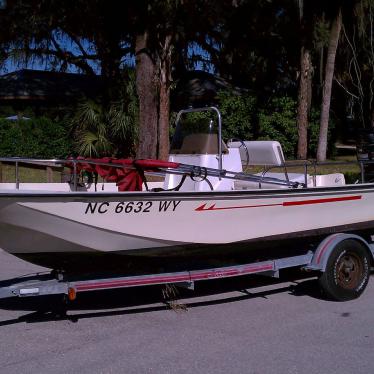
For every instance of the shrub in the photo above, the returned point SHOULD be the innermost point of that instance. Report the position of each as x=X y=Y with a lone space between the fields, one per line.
x=237 y=115
x=278 y=122
x=39 y=138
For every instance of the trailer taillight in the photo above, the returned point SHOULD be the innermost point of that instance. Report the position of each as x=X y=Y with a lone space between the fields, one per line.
x=72 y=294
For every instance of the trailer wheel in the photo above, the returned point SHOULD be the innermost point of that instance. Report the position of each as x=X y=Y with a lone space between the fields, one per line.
x=347 y=271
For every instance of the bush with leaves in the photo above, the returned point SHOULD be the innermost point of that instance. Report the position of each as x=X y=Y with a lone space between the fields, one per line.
x=238 y=115
x=278 y=122
x=39 y=138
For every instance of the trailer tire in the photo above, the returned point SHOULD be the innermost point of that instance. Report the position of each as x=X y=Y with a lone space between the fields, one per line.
x=347 y=271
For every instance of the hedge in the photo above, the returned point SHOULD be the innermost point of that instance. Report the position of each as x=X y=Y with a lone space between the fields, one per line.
x=38 y=138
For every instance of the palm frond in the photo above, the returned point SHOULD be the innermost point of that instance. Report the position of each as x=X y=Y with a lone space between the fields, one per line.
x=88 y=115
x=107 y=130
x=87 y=144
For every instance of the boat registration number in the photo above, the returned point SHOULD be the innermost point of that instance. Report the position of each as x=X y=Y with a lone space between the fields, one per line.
x=131 y=207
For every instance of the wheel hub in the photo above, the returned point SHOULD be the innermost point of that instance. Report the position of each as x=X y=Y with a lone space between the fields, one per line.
x=349 y=269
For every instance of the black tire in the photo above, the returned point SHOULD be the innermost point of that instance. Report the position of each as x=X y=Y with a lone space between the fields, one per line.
x=347 y=271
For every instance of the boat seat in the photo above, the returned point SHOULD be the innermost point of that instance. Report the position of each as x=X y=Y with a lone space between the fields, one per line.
x=260 y=152
x=334 y=179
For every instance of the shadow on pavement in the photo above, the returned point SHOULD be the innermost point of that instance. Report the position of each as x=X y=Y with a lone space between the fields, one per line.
x=152 y=298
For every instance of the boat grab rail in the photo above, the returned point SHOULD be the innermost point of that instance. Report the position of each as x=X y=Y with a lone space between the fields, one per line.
x=186 y=169
x=181 y=169
x=306 y=164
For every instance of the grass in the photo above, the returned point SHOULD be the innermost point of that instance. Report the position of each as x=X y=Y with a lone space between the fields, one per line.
x=28 y=175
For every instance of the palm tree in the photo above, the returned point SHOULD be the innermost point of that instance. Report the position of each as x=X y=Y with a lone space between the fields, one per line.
x=107 y=129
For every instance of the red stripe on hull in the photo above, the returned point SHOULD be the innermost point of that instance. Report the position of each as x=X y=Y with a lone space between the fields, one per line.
x=213 y=207
x=202 y=208
x=321 y=201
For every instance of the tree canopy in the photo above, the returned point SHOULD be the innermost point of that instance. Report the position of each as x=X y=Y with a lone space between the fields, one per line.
x=315 y=53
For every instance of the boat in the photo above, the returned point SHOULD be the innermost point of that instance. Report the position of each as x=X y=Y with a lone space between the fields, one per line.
x=200 y=203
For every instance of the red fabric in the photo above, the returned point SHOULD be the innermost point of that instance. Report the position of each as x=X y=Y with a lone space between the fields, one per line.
x=126 y=178
x=150 y=164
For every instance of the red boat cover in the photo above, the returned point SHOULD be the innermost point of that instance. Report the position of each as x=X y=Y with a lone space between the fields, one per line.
x=129 y=177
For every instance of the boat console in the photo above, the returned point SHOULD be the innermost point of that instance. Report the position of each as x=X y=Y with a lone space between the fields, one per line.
x=199 y=143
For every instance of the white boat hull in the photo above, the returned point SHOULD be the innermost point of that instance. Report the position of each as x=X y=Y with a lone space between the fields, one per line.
x=47 y=224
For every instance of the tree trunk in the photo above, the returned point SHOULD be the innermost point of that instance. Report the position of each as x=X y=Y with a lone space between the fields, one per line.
x=304 y=100
x=164 y=107
x=110 y=70
x=148 y=99
x=326 y=98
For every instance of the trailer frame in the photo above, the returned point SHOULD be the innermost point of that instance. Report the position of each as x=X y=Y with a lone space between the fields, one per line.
x=60 y=284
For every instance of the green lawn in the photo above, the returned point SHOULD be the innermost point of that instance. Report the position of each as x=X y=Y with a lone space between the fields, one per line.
x=27 y=174
x=342 y=164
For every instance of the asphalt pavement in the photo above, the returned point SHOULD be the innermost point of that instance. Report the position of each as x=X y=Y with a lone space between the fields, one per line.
x=248 y=325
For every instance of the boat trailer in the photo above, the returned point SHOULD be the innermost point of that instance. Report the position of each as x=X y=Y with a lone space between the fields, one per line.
x=338 y=254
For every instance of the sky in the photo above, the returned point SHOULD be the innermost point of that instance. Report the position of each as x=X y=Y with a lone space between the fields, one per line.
x=67 y=45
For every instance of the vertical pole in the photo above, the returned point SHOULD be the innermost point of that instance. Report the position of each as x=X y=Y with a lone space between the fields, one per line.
x=17 y=176
x=219 y=140
x=49 y=172
x=362 y=172
x=306 y=174
x=1 y=172
x=75 y=175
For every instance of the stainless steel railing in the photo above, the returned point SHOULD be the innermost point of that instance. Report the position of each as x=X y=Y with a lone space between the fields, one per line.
x=18 y=161
x=185 y=169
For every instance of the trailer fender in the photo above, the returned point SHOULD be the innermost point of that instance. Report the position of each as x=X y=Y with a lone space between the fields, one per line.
x=323 y=252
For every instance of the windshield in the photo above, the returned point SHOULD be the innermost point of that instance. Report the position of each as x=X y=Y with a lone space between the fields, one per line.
x=195 y=133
